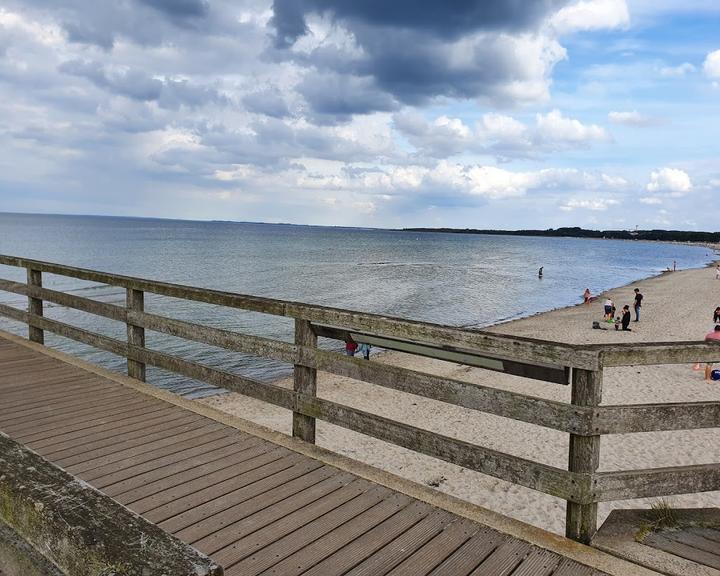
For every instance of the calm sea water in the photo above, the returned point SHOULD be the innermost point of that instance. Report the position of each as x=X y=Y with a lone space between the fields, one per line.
x=463 y=280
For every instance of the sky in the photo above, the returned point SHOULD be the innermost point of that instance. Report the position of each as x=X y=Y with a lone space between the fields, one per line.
x=482 y=114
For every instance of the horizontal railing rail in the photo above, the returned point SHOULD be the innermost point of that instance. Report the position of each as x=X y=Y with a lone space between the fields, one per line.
x=584 y=418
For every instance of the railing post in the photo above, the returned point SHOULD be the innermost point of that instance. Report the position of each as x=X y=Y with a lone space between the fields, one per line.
x=35 y=306
x=304 y=382
x=584 y=455
x=135 y=301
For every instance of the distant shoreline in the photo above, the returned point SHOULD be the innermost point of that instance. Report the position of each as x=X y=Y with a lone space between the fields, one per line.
x=709 y=239
x=684 y=236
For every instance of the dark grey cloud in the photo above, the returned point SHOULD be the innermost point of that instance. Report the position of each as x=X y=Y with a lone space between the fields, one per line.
x=146 y=22
x=180 y=8
x=413 y=52
x=268 y=101
x=336 y=98
x=139 y=85
x=447 y=20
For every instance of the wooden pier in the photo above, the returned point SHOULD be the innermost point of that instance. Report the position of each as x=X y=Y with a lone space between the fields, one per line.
x=259 y=505
x=253 y=506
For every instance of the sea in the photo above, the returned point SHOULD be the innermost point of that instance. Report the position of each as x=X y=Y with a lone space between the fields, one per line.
x=465 y=280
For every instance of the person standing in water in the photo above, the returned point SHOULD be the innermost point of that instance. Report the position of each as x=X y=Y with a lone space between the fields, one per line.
x=540 y=272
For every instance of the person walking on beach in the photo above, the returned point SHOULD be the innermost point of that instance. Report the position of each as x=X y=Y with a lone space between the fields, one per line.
x=717 y=272
x=625 y=322
x=716 y=316
x=638 y=304
x=350 y=346
x=364 y=349
x=713 y=336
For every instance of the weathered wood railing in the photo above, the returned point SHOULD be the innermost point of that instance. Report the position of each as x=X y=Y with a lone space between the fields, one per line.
x=585 y=419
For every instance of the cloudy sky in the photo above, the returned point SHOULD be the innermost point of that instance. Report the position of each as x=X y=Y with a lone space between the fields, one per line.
x=484 y=113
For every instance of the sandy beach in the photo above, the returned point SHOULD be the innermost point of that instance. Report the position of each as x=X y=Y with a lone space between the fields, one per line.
x=677 y=306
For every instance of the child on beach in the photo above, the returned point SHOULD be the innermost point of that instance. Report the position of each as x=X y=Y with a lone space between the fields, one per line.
x=364 y=349
x=609 y=309
x=350 y=346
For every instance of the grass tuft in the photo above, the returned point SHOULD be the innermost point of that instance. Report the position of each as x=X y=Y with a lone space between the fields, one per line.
x=661 y=516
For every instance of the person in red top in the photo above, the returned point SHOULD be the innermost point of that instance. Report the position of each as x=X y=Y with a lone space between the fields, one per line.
x=350 y=346
x=713 y=336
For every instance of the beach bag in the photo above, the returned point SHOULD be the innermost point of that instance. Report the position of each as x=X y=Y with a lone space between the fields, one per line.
x=715 y=375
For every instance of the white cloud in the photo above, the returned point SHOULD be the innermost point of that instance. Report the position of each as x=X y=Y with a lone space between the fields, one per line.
x=554 y=127
x=671 y=181
x=591 y=15
x=632 y=118
x=594 y=204
x=651 y=200
x=498 y=134
x=711 y=66
x=677 y=71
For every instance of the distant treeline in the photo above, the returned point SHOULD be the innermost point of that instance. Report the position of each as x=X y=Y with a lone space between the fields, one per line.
x=576 y=232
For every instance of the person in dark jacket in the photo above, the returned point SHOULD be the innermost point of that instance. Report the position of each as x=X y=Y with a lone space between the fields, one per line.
x=638 y=304
x=625 y=322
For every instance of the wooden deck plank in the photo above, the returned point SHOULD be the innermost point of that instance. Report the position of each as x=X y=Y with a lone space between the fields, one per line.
x=30 y=367
x=360 y=548
x=84 y=415
x=177 y=467
x=663 y=542
x=436 y=550
x=320 y=498
x=170 y=458
x=90 y=452
x=206 y=471
x=538 y=563
x=95 y=445
x=48 y=387
x=151 y=457
x=696 y=541
x=208 y=517
x=471 y=554
x=72 y=387
x=504 y=559
x=88 y=426
x=707 y=533
x=397 y=550
x=298 y=551
x=194 y=494
x=263 y=549
x=124 y=455
x=124 y=429
x=192 y=488
x=67 y=407
x=570 y=568
x=257 y=514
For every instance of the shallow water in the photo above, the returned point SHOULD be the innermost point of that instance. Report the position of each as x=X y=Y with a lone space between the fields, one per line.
x=463 y=280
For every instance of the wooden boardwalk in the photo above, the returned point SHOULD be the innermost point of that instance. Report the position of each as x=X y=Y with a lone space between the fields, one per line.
x=699 y=545
x=251 y=505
